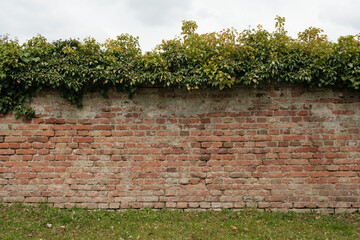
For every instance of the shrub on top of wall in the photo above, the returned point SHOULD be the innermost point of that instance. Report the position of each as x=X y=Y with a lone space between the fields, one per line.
x=218 y=60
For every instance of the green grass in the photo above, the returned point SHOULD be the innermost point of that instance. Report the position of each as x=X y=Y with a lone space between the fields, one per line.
x=26 y=222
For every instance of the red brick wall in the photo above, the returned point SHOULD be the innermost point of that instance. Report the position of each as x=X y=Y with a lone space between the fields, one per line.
x=281 y=147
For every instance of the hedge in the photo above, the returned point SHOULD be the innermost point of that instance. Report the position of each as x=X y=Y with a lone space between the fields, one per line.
x=217 y=60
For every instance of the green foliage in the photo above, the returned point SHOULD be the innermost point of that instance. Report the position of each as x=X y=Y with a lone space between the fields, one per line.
x=218 y=60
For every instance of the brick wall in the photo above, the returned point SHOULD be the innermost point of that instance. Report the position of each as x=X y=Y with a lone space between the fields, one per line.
x=281 y=147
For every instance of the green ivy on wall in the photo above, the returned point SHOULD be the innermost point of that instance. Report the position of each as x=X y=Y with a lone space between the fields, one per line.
x=217 y=60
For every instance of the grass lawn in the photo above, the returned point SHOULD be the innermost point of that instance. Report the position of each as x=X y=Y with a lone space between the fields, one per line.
x=26 y=222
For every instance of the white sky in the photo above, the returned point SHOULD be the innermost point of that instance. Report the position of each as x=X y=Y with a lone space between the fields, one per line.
x=154 y=20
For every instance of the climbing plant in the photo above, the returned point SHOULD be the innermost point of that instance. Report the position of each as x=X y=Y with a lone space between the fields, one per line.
x=211 y=60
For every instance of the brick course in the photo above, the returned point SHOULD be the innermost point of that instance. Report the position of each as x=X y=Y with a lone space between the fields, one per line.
x=274 y=148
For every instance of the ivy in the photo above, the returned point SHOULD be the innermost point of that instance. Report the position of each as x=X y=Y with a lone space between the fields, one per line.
x=192 y=61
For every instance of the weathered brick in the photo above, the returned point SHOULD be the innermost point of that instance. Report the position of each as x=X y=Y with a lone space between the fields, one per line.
x=240 y=174
x=38 y=139
x=200 y=175
x=297 y=152
x=6 y=151
x=15 y=139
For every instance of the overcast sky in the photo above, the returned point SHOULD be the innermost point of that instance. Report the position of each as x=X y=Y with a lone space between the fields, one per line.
x=154 y=20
